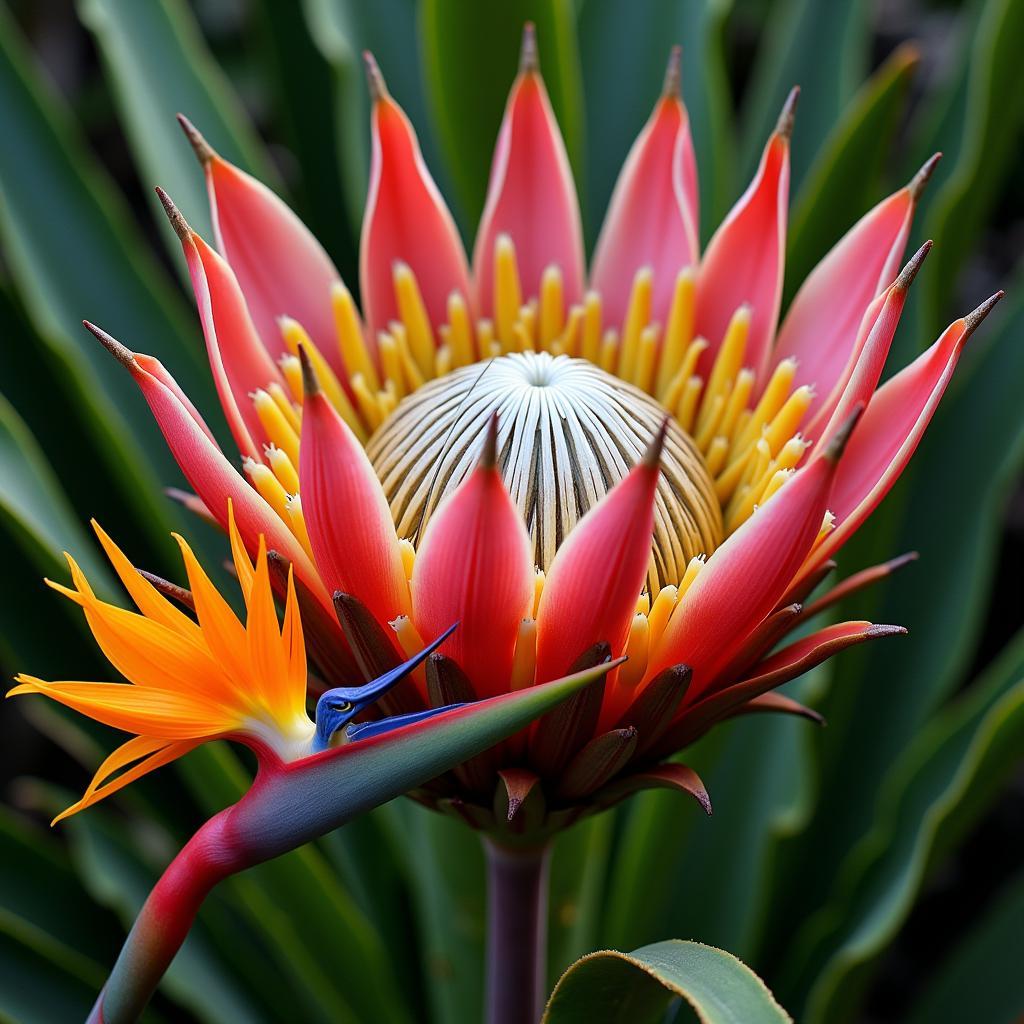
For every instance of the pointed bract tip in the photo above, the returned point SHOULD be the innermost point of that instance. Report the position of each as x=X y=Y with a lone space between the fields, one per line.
x=909 y=272
x=528 y=59
x=784 y=126
x=310 y=381
x=810 y=714
x=973 y=319
x=172 y=590
x=489 y=454
x=917 y=183
x=881 y=629
x=901 y=560
x=835 y=448
x=203 y=150
x=672 y=87
x=178 y=222
x=652 y=457
x=374 y=79
x=121 y=353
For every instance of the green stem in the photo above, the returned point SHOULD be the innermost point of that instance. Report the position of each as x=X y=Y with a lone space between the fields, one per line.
x=517 y=931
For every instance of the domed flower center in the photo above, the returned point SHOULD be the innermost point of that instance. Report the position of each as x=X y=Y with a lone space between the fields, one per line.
x=568 y=432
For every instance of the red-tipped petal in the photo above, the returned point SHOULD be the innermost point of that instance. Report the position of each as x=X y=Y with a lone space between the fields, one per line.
x=475 y=567
x=745 y=258
x=350 y=529
x=892 y=428
x=281 y=268
x=822 y=324
x=745 y=578
x=858 y=581
x=796 y=659
x=792 y=661
x=406 y=221
x=157 y=369
x=239 y=362
x=653 y=216
x=211 y=475
x=861 y=377
x=592 y=587
x=531 y=198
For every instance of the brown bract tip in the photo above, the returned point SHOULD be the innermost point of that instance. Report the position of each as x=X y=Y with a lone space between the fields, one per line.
x=881 y=629
x=178 y=222
x=489 y=454
x=672 y=86
x=528 y=59
x=121 y=353
x=918 y=181
x=784 y=126
x=652 y=457
x=836 y=447
x=310 y=381
x=973 y=320
x=901 y=560
x=909 y=272
x=374 y=79
x=203 y=150
x=169 y=589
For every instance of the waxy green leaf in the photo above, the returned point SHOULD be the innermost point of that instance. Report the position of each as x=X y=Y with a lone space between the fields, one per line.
x=159 y=65
x=640 y=987
x=470 y=56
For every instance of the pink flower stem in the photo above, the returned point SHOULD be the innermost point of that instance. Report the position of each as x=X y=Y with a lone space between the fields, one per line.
x=165 y=920
x=517 y=926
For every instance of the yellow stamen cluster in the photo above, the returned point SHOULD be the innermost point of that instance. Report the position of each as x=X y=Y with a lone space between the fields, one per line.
x=747 y=431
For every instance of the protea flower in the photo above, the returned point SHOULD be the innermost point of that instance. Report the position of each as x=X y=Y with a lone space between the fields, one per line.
x=636 y=461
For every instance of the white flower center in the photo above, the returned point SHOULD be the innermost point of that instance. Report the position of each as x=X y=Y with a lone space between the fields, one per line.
x=568 y=432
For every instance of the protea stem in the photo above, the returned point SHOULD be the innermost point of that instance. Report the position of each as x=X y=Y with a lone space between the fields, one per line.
x=517 y=927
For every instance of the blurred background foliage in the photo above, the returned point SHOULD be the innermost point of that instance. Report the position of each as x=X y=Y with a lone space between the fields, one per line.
x=870 y=871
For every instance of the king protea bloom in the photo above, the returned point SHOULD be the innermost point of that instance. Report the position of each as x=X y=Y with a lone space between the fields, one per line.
x=635 y=459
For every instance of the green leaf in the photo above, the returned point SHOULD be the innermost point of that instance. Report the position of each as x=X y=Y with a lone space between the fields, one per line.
x=36 y=509
x=640 y=987
x=301 y=88
x=981 y=979
x=445 y=863
x=370 y=858
x=470 y=56
x=822 y=47
x=759 y=773
x=580 y=863
x=74 y=252
x=118 y=877
x=159 y=65
x=43 y=907
x=37 y=524
x=842 y=184
x=940 y=786
x=624 y=53
x=35 y=990
x=989 y=152
x=342 y=29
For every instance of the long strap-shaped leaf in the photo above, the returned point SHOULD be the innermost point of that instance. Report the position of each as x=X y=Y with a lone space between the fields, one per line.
x=610 y=987
x=289 y=805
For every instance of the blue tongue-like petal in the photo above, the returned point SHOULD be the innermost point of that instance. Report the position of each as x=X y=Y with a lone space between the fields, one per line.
x=364 y=730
